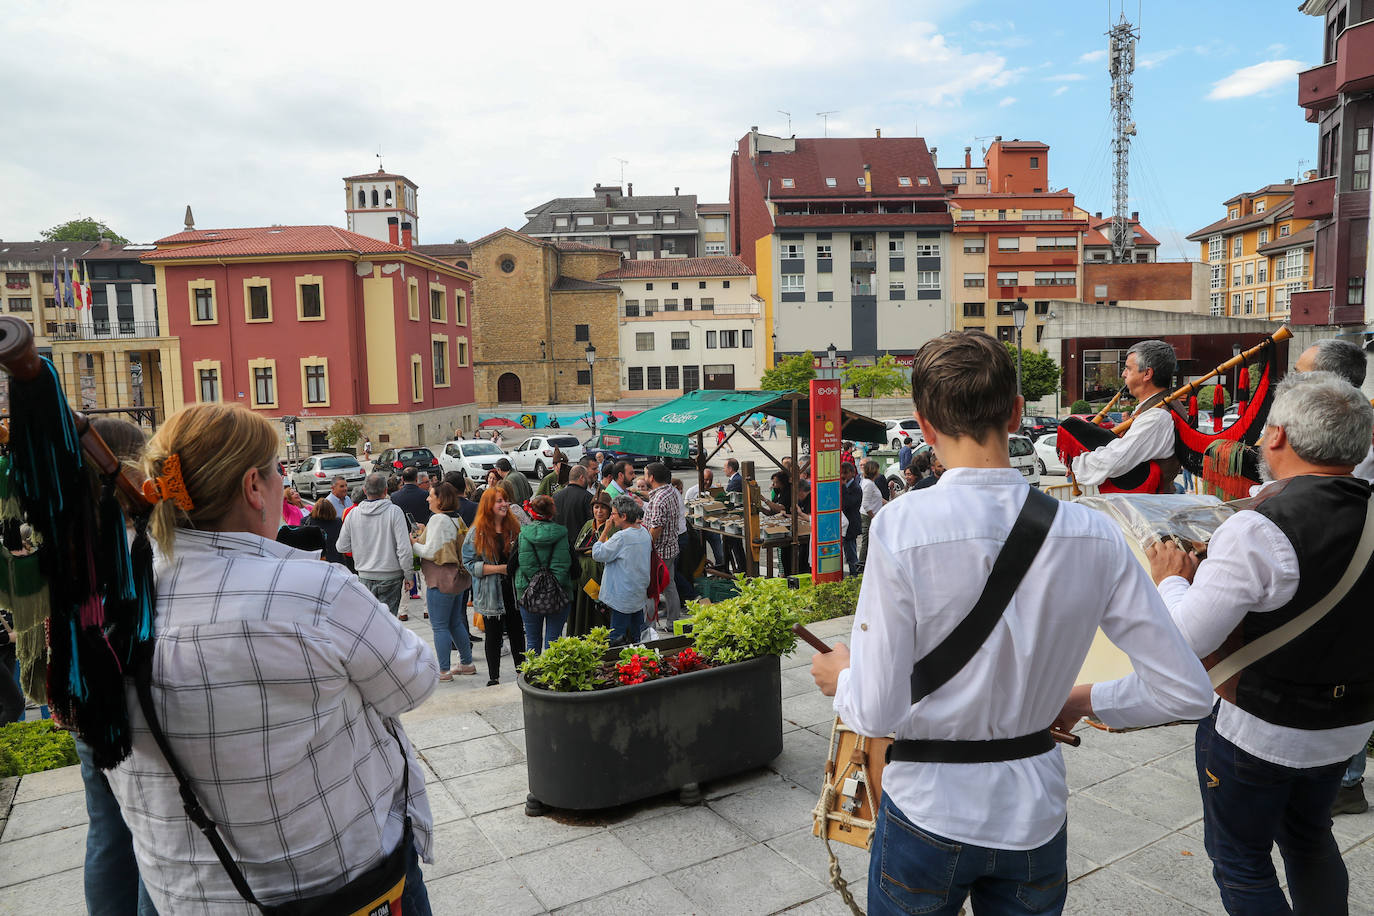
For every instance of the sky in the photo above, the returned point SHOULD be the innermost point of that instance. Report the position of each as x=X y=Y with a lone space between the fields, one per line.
x=253 y=112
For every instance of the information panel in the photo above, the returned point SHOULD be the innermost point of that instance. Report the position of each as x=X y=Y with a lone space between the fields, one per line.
x=826 y=557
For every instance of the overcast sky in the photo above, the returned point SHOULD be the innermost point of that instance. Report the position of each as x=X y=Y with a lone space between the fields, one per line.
x=252 y=112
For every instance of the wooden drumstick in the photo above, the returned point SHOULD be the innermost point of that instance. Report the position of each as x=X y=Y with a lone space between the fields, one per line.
x=819 y=645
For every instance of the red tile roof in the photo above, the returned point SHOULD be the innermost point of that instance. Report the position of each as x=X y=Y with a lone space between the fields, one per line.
x=843 y=159
x=679 y=267
x=1227 y=226
x=1096 y=237
x=1284 y=242
x=266 y=241
x=379 y=175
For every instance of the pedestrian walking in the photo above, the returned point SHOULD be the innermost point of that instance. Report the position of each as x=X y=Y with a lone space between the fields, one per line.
x=375 y=533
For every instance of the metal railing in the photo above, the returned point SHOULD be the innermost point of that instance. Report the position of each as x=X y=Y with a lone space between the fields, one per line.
x=104 y=330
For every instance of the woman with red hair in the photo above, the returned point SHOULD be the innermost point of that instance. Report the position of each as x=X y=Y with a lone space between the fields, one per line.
x=489 y=553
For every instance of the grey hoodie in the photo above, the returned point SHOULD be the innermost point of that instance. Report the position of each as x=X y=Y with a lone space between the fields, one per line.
x=375 y=533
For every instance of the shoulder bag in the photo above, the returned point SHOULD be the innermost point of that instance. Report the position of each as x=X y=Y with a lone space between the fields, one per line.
x=446 y=571
x=544 y=594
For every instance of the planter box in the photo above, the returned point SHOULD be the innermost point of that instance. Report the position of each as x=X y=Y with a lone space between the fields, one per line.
x=603 y=748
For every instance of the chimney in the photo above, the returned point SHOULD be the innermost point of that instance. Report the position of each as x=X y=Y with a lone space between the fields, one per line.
x=676 y=191
x=998 y=138
x=1288 y=181
x=935 y=154
x=1135 y=216
x=406 y=238
x=393 y=230
x=1097 y=215
x=631 y=191
x=878 y=133
x=968 y=157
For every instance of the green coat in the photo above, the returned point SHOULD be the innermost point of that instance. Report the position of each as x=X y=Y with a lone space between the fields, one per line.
x=544 y=544
x=549 y=485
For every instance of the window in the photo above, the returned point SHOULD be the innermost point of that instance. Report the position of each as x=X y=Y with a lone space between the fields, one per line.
x=975 y=280
x=1007 y=278
x=792 y=250
x=974 y=246
x=1354 y=291
x=973 y=309
x=257 y=298
x=584 y=221
x=648 y=287
x=681 y=340
x=793 y=283
x=896 y=281
x=202 y=302
x=1262 y=272
x=207 y=377
x=631 y=308
x=923 y=181
x=1259 y=206
x=417 y=378
x=25 y=305
x=729 y=340
x=927 y=249
x=1284 y=230
x=829 y=183
x=1250 y=274
x=1056 y=243
x=788 y=183
x=310 y=298
x=584 y=376
x=1006 y=333
x=823 y=251
x=650 y=306
x=725 y=284
x=670 y=377
x=436 y=305
x=644 y=219
x=644 y=341
x=904 y=181
x=1218 y=277
x=264 y=382
x=1235 y=304
x=1035 y=162
x=1042 y=307
x=670 y=305
x=1234 y=213
x=701 y=284
x=746 y=339
x=1009 y=244
x=674 y=285
x=655 y=378
x=620 y=219
x=1237 y=246
x=1249 y=303
x=1214 y=248
x=1055 y=278
x=582 y=333
x=927 y=279
x=1235 y=275
x=710 y=340
x=1359 y=174
x=715 y=248
x=316 y=385
x=862 y=183
x=1261 y=300
x=561 y=222
x=894 y=246
x=636 y=378
x=1004 y=308
x=439 y=352
x=707 y=303
x=1263 y=237
x=1218 y=306
x=460 y=307
x=959 y=178
x=669 y=219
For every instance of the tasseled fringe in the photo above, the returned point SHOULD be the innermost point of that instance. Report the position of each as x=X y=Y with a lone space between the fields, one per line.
x=145 y=590
x=1222 y=470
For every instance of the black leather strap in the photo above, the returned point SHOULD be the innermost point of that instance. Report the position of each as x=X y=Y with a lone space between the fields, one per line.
x=947 y=659
x=931 y=751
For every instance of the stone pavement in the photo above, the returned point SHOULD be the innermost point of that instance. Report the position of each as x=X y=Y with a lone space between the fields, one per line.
x=1135 y=835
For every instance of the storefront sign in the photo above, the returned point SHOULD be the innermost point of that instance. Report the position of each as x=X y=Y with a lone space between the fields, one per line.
x=826 y=556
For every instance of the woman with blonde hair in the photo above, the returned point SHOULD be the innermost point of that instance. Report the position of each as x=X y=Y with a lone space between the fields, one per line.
x=490 y=553
x=274 y=682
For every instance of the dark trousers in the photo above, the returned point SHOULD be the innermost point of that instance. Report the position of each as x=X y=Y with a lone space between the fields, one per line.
x=1248 y=805
x=11 y=697
x=513 y=627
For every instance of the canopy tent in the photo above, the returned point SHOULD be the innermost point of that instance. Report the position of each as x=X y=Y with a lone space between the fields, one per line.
x=667 y=429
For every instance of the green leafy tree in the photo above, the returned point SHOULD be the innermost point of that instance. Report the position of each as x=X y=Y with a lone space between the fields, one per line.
x=344 y=434
x=792 y=374
x=82 y=230
x=1080 y=406
x=880 y=380
x=1205 y=395
x=1040 y=375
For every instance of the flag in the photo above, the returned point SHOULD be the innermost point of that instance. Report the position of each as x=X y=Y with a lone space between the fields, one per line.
x=87 y=292
x=77 y=295
x=56 y=283
x=67 y=299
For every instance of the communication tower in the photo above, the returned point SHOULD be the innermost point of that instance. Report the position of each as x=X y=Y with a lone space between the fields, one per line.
x=1122 y=39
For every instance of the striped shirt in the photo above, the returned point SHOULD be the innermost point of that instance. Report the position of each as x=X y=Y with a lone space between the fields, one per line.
x=275 y=678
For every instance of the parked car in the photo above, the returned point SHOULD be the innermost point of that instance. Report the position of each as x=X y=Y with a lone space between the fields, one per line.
x=1047 y=459
x=614 y=453
x=473 y=457
x=535 y=454
x=1035 y=427
x=396 y=460
x=1206 y=424
x=1108 y=421
x=1019 y=449
x=315 y=475
x=899 y=429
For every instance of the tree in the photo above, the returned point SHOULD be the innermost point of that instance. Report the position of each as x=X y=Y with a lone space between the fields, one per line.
x=82 y=230
x=1205 y=395
x=1039 y=374
x=792 y=374
x=1080 y=406
x=880 y=380
x=344 y=434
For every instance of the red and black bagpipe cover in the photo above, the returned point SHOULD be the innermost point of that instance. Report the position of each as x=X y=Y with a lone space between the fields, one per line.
x=1226 y=460
x=1077 y=437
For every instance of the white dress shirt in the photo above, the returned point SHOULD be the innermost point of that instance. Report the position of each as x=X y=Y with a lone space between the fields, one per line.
x=1251 y=567
x=1150 y=438
x=928 y=559
x=872 y=497
x=1365 y=469
x=275 y=677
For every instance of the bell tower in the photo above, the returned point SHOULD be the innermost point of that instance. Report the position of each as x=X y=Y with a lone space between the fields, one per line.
x=383 y=205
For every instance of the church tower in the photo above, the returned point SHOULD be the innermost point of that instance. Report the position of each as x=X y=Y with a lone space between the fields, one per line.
x=383 y=206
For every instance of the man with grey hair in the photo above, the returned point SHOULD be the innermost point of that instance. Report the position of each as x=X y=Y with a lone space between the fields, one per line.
x=375 y=533
x=1348 y=361
x=1150 y=367
x=625 y=547
x=1282 y=605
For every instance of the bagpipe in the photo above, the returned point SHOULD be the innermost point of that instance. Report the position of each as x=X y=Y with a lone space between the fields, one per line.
x=1224 y=459
x=99 y=585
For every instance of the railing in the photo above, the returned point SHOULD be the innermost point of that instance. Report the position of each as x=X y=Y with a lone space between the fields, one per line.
x=863 y=257
x=105 y=330
x=736 y=308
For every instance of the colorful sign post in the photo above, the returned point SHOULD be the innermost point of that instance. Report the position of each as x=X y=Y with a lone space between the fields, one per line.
x=827 y=559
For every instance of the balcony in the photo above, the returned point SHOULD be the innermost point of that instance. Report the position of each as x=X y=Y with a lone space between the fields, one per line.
x=868 y=259
x=1317 y=88
x=1355 y=58
x=1314 y=199
x=1310 y=306
x=104 y=330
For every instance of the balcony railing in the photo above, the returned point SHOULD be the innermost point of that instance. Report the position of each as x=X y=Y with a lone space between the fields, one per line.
x=104 y=330
x=1314 y=199
x=863 y=257
x=1317 y=87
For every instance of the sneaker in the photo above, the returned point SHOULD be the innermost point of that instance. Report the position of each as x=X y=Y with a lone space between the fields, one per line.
x=1350 y=800
x=403 y=616
x=446 y=676
x=463 y=669
x=493 y=682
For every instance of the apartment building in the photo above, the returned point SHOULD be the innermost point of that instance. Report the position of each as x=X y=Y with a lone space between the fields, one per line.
x=687 y=324
x=714 y=222
x=1259 y=255
x=849 y=239
x=636 y=227
x=1097 y=241
x=1337 y=98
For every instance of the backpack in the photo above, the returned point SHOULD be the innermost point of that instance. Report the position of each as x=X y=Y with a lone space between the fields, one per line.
x=544 y=594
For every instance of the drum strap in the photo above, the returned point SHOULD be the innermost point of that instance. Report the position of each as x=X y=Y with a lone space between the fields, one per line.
x=947 y=659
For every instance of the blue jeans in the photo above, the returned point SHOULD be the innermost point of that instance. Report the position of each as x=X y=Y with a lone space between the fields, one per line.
x=540 y=630
x=851 y=553
x=913 y=871
x=415 y=897
x=113 y=885
x=1248 y=804
x=625 y=628
x=1354 y=770
x=448 y=620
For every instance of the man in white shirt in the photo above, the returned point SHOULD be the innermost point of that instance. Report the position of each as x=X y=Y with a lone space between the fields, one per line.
x=871 y=503
x=1271 y=755
x=1150 y=367
x=994 y=829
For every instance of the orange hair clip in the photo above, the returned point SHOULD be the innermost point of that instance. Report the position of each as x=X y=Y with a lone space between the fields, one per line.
x=169 y=485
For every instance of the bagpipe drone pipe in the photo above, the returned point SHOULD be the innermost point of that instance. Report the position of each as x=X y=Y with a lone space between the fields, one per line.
x=100 y=587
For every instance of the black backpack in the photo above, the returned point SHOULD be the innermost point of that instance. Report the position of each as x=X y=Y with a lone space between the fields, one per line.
x=544 y=594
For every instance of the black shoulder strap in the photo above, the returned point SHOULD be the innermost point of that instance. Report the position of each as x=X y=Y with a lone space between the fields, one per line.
x=954 y=651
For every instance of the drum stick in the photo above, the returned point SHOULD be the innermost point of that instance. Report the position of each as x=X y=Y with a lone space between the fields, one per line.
x=815 y=642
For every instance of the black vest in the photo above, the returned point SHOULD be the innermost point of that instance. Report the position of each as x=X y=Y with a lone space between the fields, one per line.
x=1324 y=678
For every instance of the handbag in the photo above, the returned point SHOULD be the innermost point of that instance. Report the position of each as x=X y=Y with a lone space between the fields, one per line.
x=446 y=571
x=375 y=892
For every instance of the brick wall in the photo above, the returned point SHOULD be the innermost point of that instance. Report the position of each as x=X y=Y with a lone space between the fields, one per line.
x=1138 y=282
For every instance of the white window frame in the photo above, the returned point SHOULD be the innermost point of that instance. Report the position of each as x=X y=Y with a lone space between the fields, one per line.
x=927 y=279
x=904 y=181
x=1015 y=243
x=792 y=283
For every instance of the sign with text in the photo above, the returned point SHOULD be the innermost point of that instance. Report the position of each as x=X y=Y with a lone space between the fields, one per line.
x=826 y=556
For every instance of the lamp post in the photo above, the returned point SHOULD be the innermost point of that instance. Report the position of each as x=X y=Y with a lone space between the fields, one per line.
x=1018 y=317
x=833 y=354
x=591 y=381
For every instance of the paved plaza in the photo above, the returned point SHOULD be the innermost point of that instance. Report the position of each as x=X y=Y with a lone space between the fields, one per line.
x=1135 y=835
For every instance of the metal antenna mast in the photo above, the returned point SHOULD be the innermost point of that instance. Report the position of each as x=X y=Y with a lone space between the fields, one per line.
x=825 y=121
x=1122 y=39
x=623 y=163
x=789 y=120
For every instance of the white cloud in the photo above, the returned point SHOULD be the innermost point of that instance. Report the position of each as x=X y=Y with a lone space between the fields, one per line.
x=1255 y=79
x=1007 y=102
x=1061 y=90
x=1150 y=61
x=1091 y=56
x=1065 y=78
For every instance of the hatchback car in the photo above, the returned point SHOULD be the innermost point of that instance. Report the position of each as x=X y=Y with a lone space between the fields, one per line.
x=897 y=430
x=473 y=457
x=315 y=475
x=1035 y=427
x=535 y=454
x=397 y=460
x=1047 y=457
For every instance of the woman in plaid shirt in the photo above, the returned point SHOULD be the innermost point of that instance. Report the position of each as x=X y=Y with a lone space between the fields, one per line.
x=278 y=680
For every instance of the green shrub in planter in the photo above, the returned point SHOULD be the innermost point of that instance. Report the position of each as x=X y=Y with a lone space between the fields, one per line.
x=1081 y=406
x=569 y=663
x=757 y=622
x=32 y=747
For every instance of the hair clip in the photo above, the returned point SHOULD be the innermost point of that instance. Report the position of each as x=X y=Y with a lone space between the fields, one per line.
x=169 y=485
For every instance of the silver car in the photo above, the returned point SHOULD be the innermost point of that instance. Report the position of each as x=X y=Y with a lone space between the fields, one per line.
x=315 y=475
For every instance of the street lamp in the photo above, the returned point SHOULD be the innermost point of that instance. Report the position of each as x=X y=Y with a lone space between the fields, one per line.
x=832 y=353
x=591 y=381
x=1018 y=317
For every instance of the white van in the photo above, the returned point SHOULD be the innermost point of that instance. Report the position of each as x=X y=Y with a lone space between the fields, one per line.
x=1020 y=449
